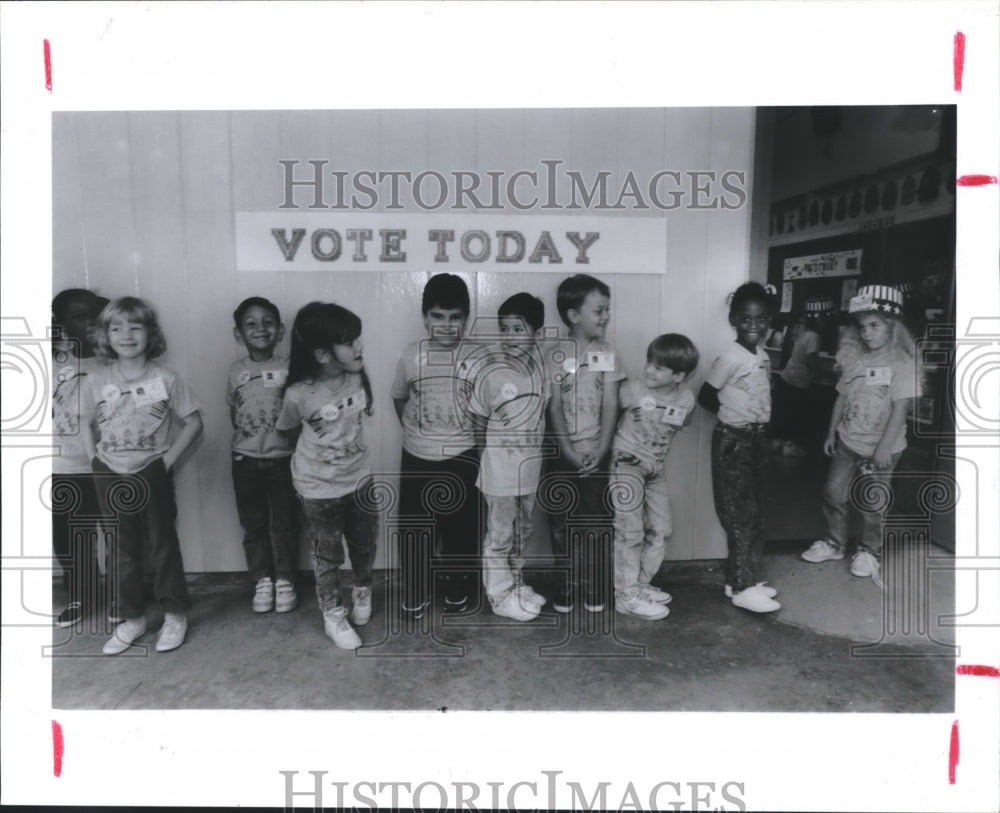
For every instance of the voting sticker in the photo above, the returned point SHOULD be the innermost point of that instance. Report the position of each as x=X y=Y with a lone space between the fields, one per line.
x=508 y=392
x=67 y=373
x=329 y=412
x=149 y=392
x=601 y=361
x=110 y=393
x=647 y=404
x=569 y=365
x=243 y=378
x=878 y=376
x=674 y=415
x=354 y=403
x=274 y=378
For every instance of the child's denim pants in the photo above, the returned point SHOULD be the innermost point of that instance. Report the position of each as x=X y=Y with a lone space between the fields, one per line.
x=329 y=522
x=508 y=529
x=268 y=511
x=142 y=509
x=642 y=521
x=870 y=494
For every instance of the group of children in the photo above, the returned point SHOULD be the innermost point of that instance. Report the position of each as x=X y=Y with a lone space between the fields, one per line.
x=490 y=423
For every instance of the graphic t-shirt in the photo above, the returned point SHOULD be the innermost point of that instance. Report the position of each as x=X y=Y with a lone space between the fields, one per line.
x=511 y=392
x=254 y=391
x=870 y=383
x=437 y=383
x=581 y=376
x=135 y=415
x=331 y=456
x=650 y=419
x=69 y=374
x=796 y=372
x=743 y=380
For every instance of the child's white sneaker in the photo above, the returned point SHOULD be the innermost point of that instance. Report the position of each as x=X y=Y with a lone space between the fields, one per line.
x=822 y=550
x=263 y=596
x=770 y=592
x=511 y=606
x=863 y=564
x=285 y=599
x=126 y=633
x=172 y=633
x=339 y=630
x=529 y=597
x=755 y=600
x=655 y=594
x=640 y=607
x=361 y=612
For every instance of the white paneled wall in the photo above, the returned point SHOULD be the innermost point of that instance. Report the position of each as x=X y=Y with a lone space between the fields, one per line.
x=144 y=204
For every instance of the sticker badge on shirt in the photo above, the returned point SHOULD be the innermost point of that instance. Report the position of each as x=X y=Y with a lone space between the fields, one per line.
x=878 y=376
x=353 y=403
x=674 y=415
x=243 y=378
x=647 y=404
x=110 y=393
x=149 y=392
x=329 y=412
x=274 y=378
x=601 y=361
x=66 y=373
x=569 y=365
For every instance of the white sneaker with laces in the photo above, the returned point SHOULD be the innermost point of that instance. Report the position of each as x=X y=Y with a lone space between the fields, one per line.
x=511 y=606
x=655 y=594
x=641 y=607
x=529 y=597
x=864 y=564
x=285 y=599
x=822 y=550
x=361 y=612
x=263 y=597
x=172 y=633
x=126 y=633
x=755 y=600
x=339 y=630
x=770 y=592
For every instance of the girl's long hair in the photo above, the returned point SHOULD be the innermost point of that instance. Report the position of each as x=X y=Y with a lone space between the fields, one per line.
x=901 y=345
x=131 y=309
x=320 y=326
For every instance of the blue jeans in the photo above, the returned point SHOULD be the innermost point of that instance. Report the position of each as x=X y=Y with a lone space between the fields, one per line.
x=268 y=511
x=739 y=460
x=75 y=519
x=642 y=521
x=329 y=522
x=870 y=494
x=142 y=508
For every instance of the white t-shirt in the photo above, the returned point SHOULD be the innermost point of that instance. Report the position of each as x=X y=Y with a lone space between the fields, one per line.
x=331 y=456
x=437 y=384
x=135 y=416
x=870 y=383
x=650 y=419
x=581 y=376
x=69 y=374
x=743 y=380
x=511 y=393
x=254 y=390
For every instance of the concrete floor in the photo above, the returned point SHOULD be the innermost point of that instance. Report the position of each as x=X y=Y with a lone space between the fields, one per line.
x=706 y=656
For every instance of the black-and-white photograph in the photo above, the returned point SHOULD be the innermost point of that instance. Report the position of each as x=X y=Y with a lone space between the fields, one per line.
x=576 y=406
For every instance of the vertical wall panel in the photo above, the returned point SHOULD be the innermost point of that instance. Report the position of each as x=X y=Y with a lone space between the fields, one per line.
x=146 y=203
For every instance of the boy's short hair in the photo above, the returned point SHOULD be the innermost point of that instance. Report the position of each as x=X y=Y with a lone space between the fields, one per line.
x=132 y=309
x=258 y=301
x=446 y=291
x=530 y=308
x=673 y=351
x=574 y=290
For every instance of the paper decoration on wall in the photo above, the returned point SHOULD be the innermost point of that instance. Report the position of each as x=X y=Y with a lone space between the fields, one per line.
x=831 y=264
x=786 y=297
x=847 y=292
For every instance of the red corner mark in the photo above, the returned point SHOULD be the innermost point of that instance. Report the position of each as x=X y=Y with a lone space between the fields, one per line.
x=48 y=65
x=57 y=749
x=977 y=671
x=976 y=180
x=953 y=753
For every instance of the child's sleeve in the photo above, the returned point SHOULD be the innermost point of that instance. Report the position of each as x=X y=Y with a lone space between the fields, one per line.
x=719 y=373
x=626 y=395
x=400 y=389
x=289 y=418
x=230 y=388
x=182 y=401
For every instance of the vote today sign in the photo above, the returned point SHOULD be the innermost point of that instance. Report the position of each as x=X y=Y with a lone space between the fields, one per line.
x=372 y=241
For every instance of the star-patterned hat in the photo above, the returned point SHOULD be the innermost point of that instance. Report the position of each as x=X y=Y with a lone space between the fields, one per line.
x=877 y=299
